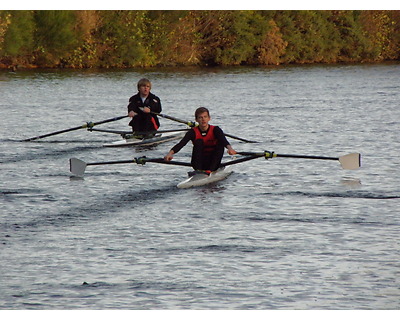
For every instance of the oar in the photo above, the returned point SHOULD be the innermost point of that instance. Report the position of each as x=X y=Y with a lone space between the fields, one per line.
x=249 y=157
x=193 y=124
x=86 y=125
x=135 y=133
x=241 y=139
x=188 y=123
x=110 y=131
x=349 y=161
x=78 y=167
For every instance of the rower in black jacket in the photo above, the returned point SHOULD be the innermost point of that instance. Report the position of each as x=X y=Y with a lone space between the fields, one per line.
x=141 y=106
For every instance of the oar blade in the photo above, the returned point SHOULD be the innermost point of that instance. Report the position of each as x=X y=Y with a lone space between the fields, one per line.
x=350 y=161
x=77 y=167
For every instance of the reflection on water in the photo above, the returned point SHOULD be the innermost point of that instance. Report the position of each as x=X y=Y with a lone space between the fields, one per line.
x=351 y=182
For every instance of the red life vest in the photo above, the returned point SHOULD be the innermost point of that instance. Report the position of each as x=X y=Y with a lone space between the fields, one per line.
x=153 y=121
x=209 y=140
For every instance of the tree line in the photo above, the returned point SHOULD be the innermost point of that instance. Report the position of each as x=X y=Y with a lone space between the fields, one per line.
x=125 y=39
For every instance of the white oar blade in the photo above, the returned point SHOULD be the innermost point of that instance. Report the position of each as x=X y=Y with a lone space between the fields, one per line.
x=77 y=167
x=350 y=161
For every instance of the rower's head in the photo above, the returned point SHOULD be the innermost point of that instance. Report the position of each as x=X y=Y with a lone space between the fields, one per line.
x=144 y=83
x=202 y=117
x=200 y=111
x=144 y=87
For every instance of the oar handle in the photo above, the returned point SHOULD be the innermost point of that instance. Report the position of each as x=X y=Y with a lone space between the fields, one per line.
x=240 y=139
x=193 y=124
x=188 y=123
x=110 y=131
x=266 y=154
x=92 y=124
x=143 y=160
x=247 y=158
x=159 y=131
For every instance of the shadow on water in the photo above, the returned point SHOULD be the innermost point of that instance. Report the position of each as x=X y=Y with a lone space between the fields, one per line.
x=65 y=149
x=318 y=220
x=95 y=209
x=45 y=154
x=350 y=194
x=54 y=141
x=100 y=207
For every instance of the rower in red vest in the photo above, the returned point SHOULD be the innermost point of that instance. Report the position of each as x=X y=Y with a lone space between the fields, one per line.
x=208 y=143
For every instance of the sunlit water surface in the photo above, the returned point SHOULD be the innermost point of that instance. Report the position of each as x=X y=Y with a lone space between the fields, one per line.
x=277 y=234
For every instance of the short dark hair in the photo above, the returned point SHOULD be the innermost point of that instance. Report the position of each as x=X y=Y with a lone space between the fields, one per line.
x=201 y=110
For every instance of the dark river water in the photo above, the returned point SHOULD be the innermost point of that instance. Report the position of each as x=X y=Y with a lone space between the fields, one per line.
x=276 y=234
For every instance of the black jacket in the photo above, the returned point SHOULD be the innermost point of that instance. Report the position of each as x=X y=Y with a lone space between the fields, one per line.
x=144 y=121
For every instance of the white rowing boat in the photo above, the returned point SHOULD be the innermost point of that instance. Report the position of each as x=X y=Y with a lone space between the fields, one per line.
x=136 y=142
x=202 y=178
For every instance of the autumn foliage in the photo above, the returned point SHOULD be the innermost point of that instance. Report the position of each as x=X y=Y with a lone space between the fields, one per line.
x=124 y=39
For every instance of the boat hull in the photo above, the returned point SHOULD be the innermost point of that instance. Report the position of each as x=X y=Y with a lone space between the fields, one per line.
x=134 y=142
x=201 y=179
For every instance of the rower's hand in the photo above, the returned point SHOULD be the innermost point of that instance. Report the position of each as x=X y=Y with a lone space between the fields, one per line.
x=146 y=110
x=231 y=151
x=169 y=156
x=132 y=114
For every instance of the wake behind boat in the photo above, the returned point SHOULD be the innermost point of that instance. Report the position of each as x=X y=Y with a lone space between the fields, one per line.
x=136 y=141
x=199 y=178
